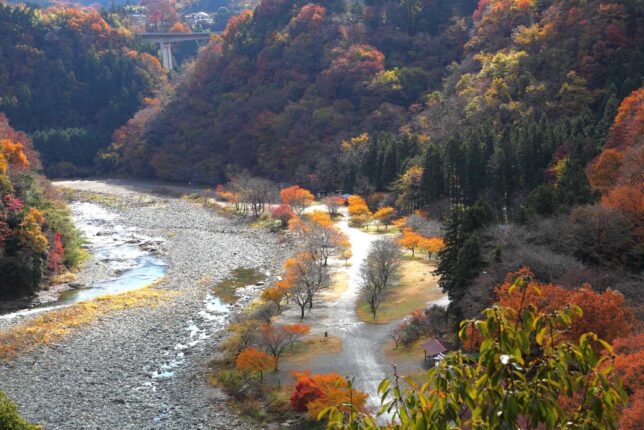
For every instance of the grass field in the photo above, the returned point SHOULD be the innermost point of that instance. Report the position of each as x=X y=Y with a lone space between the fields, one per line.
x=313 y=347
x=56 y=324
x=416 y=287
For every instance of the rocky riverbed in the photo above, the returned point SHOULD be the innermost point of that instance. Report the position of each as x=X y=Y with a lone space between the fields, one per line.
x=145 y=368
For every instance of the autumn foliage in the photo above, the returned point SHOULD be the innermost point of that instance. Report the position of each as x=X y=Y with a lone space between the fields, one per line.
x=30 y=248
x=315 y=392
x=629 y=366
x=410 y=240
x=385 y=216
x=604 y=314
x=277 y=339
x=253 y=360
x=358 y=210
x=297 y=198
x=282 y=213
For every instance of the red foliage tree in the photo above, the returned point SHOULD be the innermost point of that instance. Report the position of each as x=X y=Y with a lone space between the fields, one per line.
x=283 y=213
x=603 y=313
x=306 y=390
x=56 y=255
x=629 y=366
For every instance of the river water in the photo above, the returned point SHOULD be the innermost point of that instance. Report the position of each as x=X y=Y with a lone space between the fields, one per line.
x=127 y=256
x=121 y=248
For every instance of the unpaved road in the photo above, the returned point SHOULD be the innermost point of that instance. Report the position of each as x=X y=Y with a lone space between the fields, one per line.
x=361 y=356
x=106 y=375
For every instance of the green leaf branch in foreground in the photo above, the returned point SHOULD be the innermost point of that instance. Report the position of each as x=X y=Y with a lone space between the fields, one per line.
x=524 y=376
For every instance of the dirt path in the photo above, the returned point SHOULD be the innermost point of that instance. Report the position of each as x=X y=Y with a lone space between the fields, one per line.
x=361 y=356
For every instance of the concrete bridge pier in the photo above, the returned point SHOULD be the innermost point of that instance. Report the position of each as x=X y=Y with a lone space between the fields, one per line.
x=166 y=54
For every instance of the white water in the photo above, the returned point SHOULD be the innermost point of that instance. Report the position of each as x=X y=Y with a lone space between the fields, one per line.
x=120 y=248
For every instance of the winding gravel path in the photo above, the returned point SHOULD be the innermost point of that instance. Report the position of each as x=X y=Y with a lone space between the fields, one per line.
x=105 y=375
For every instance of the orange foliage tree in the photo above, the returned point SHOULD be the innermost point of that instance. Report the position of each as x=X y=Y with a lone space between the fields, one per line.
x=629 y=199
x=629 y=122
x=431 y=245
x=604 y=314
x=275 y=295
x=410 y=240
x=603 y=173
x=385 y=216
x=297 y=198
x=253 y=360
x=278 y=339
x=314 y=393
x=358 y=210
x=622 y=159
x=629 y=366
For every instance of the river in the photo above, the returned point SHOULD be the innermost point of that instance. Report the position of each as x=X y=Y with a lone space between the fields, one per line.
x=127 y=257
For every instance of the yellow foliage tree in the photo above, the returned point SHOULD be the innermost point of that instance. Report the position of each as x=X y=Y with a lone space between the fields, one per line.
x=385 y=216
x=274 y=294
x=359 y=211
x=14 y=153
x=31 y=234
x=431 y=245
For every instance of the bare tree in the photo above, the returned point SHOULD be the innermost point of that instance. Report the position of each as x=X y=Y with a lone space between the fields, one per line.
x=397 y=333
x=333 y=204
x=379 y=271
x=305 y=276
x=253 y=193
x=322 y=241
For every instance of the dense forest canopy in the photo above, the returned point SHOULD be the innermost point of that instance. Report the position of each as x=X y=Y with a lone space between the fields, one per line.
x=488 y=91
x=69 y=78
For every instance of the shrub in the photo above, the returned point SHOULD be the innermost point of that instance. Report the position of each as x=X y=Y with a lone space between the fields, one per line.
x=10 y=419
x=283 y=214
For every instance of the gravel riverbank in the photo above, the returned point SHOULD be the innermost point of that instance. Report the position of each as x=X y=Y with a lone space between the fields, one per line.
x=145 y=368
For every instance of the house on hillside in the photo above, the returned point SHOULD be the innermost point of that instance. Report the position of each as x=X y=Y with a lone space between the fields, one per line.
x=435 y=351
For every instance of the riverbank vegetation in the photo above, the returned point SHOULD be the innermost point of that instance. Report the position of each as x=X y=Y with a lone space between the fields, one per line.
x=38 y=240
x=53 y=325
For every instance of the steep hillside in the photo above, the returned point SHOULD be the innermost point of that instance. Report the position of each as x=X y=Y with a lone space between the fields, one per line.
x=291 y=80
x=522 y=84
x=37 y=237
x=69 y=79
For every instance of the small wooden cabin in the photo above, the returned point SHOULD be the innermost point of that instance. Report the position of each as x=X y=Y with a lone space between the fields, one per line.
x=435 y=351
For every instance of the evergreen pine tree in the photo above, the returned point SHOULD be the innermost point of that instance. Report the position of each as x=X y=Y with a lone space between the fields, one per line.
x=432 y=183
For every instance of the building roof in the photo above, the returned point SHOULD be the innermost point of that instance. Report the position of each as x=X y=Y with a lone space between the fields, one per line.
x=435 y=346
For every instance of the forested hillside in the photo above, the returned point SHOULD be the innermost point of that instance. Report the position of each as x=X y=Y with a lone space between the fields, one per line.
x=293 y=79
x=69 y=78
x=37 y=238
x=518 y=122
x=491 y=95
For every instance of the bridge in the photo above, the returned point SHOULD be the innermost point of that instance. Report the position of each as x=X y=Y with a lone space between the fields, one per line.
x=165 y=41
